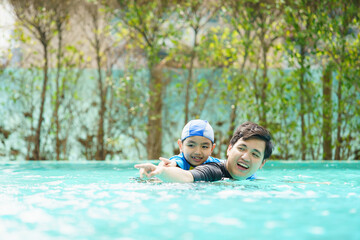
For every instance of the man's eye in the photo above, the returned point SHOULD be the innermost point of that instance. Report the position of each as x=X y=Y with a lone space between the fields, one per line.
x=206 y=147
x=241 y=149
x=256 y=155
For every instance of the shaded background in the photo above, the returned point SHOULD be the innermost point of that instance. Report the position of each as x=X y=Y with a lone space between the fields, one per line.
x=119 y=79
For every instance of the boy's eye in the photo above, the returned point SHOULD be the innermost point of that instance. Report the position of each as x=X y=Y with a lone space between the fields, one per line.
x=205 y=147
x=256 y=155
x=241 y=148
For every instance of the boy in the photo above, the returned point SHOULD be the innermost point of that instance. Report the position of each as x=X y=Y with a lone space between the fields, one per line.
x=196 y=145
x=248 y=151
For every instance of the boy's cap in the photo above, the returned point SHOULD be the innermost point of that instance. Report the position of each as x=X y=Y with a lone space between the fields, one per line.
x=198 y=128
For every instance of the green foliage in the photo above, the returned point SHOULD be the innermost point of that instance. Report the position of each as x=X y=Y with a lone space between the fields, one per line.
x=235 y=60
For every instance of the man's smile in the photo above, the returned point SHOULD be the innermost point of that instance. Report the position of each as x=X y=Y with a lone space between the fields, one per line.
x=242 y=166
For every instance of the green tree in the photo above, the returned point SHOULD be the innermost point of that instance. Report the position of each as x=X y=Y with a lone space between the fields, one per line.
x=151 y=24
x=128 y=103
x=340 y=45
x=38 y=17
x=268 y=27
x=196 y=15
x=221 y=54
x=62 y=17
x=106 y=49
x=4 y=133
x=242 y=20
x=302 y=38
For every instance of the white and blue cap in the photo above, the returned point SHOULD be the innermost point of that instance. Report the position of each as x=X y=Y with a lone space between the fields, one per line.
x=198 y=127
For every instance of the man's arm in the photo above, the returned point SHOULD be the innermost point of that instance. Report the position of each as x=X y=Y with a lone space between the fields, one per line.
x=166 y=174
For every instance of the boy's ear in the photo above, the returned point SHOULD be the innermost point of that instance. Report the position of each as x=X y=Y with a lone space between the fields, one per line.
x=212 y=149
x=180 y=144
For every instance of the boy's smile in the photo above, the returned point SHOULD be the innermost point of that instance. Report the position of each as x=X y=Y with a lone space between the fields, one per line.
x=196 y=158
x=196 y=149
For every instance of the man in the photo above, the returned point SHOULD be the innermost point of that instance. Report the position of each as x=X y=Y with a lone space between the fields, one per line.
x=248 y=151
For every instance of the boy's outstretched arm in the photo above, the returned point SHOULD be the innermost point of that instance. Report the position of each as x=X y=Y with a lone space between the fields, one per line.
x=166 y=174
x=167 y=163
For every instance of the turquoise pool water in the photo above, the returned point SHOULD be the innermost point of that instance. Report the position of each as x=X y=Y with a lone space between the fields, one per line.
x=294 y=200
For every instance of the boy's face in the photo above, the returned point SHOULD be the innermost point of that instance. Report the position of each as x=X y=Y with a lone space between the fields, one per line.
x=196 y=149
x=245 y=157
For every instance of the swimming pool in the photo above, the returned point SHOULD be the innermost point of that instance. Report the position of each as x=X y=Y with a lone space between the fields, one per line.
x=49 y=200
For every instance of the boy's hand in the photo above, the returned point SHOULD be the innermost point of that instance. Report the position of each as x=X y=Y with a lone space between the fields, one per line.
x=148 y=170
x=165 y=174
x=166 y=162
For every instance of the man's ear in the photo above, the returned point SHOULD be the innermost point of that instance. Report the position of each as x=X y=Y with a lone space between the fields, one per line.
x=262 y=164
x=228 y=149
x=180 y=144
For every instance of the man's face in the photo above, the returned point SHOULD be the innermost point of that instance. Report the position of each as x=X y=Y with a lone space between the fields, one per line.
x=245 y=157
x=196 y=149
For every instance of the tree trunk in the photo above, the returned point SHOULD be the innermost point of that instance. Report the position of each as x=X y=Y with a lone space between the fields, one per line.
x=263 y=120
x=154 y=125
x=36 y=153
x=100 y=151
x=327 y=113
x=344 y=29
x=339 y=121
x=232 y=126
x=57 y=101
x=187 y=92
x=302 y=103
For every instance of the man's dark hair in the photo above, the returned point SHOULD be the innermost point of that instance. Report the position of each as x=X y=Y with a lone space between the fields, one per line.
x=250 y=130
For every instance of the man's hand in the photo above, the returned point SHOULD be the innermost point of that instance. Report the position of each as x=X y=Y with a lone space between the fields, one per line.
x=148 y=170
x=166 y=162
